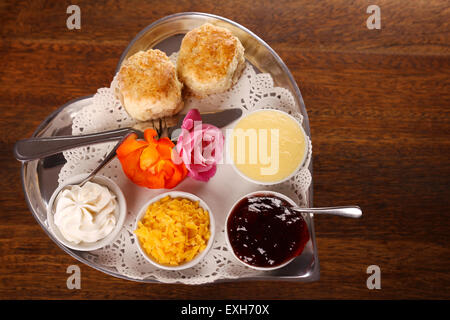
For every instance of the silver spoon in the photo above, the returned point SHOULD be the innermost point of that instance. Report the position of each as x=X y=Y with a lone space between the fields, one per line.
x=111 y=155
x=91 y=175
x=345 y=211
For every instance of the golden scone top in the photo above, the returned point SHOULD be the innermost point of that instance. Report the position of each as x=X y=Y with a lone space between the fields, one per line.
x=148 y=86
x=207 y=53
x=147 y=74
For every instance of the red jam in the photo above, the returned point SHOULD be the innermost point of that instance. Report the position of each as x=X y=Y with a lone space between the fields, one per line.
x=263 y=233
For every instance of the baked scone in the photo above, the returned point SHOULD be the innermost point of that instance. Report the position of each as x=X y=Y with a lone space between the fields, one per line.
x=148 y=86
x=210 y=60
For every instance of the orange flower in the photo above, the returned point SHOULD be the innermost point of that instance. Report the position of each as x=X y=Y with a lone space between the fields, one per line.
x=149 y=163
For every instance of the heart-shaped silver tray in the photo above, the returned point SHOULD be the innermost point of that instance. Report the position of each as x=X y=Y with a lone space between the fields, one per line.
x=40 y=177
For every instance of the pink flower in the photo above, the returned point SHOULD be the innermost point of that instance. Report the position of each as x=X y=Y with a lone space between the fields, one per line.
x=200 y=146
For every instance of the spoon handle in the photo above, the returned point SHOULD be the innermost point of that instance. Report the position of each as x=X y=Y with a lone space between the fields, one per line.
x=111 y=155
x=345 y=211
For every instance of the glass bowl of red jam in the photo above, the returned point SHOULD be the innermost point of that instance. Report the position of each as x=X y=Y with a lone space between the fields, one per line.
x=262 y=234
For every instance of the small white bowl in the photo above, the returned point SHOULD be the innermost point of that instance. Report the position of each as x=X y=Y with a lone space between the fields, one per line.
x=302 y=162
x=212 y=229
x=120 y=214
x=265 y=192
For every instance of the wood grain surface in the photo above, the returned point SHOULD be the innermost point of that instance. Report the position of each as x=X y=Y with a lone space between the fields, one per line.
x=379 y=109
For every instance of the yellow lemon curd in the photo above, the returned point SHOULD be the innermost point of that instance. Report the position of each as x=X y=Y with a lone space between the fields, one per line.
x=267 y=146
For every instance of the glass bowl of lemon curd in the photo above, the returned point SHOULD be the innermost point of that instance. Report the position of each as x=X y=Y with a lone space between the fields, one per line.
x=267 y=146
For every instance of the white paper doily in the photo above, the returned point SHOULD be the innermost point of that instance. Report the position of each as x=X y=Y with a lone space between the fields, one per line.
x=253 y=91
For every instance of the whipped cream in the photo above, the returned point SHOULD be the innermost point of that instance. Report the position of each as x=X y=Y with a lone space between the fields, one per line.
x=85 y=214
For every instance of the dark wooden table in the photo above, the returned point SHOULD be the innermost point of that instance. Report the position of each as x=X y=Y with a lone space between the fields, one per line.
x=379 y=108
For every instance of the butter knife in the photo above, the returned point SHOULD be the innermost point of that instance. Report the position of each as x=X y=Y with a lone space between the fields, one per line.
x=41 y=147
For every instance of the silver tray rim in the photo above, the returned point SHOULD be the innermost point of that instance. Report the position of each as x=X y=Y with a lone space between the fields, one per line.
x=315 y=272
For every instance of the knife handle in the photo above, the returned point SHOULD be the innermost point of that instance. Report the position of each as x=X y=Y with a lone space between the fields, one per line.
x=38 y=148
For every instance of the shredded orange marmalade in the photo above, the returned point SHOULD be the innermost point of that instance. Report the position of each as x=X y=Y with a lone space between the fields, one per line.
x=174 y=230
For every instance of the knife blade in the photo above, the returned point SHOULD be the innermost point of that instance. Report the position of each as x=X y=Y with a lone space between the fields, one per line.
x=41 y=147
x=219 y=119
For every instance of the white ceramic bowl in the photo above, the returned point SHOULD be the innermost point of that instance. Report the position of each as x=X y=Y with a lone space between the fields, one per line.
x=228 y=149
x=212 y=228
x=120 y=214
x=265 y=192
